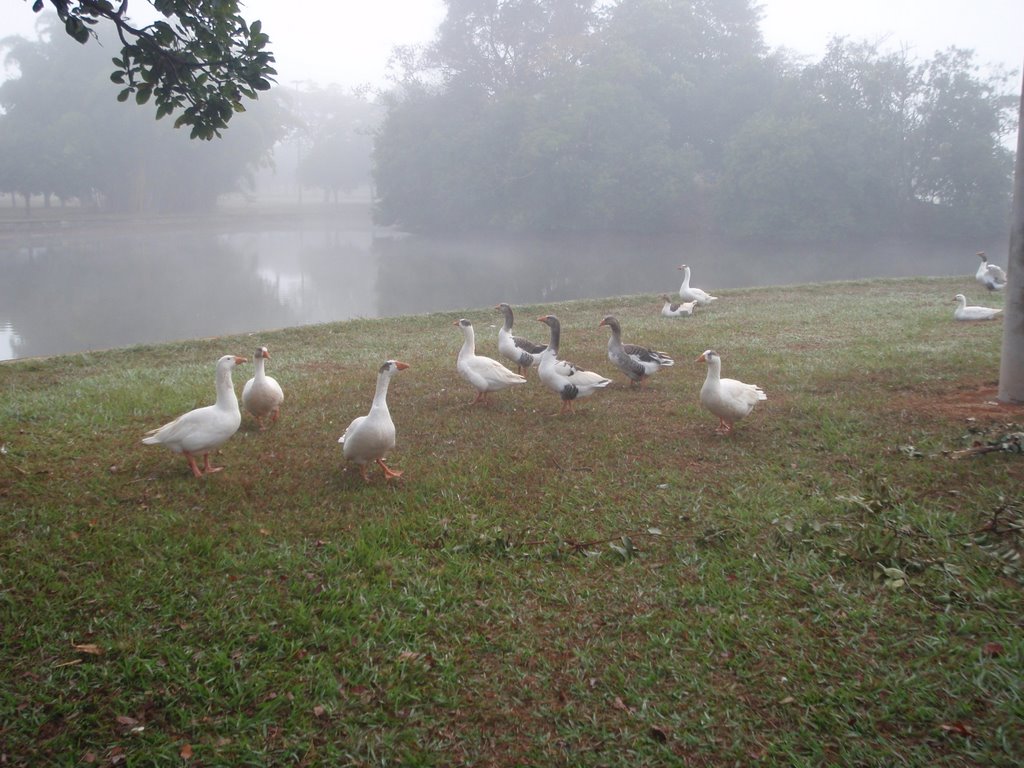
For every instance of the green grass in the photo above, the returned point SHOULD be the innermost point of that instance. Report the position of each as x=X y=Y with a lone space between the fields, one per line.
x=619 y=587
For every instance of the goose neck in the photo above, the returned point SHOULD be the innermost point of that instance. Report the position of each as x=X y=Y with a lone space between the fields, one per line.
x=556 y=333
x=714 y=369
x=380 y=395
x=468 y=342
x=225 y=389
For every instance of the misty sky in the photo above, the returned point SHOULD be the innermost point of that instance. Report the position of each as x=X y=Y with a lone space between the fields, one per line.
x=327 y=41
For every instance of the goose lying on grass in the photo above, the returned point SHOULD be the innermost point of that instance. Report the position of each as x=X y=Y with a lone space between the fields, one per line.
x=561 y=376
x=262 y=395
x=520 y=351
x=730 y=400
x=964 y=312
x=203 y=430
x=484 y=373
x=369 y=438
x=633 y=360
x=670 y=309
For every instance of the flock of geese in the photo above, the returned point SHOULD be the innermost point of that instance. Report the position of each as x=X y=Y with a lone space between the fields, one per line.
x=369 y=438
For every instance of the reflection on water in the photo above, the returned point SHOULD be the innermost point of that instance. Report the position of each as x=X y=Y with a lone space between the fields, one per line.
x=65 y=293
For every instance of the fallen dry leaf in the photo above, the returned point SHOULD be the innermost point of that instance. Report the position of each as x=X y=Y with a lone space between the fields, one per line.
x=992 y=649
x=961 y=729
x=318 y=711
x=126 y=720
x=90 y=648
x=186 y=752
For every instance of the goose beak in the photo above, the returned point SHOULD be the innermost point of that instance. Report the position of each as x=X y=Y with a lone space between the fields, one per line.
x=702 y=359
x=400 y=365
x=240 y=360
x=456 y=322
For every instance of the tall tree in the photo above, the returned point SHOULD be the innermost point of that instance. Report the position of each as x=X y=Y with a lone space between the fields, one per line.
x=498 y=45
x=1011 y=366
x=961 y=172
x=201 y=60
x=863 y=143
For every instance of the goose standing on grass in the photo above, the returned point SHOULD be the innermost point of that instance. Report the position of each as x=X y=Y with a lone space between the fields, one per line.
x=964 y=312
x=990 y=275
x=568 y=380
x=262 y=395
x=203 y=430
x=369 y=438
x=484 y=373
x=633 y=360
x=520 y=351
x=670 y=309
x=686 y=293
x=730 y=400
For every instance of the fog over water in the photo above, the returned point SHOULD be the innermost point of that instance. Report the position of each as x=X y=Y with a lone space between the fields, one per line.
x=82 y=287
x=71 y=292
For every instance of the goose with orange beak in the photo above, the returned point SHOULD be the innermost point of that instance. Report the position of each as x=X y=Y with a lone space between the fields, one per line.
x=730 y=400
x=485 y=374
x=262 y=395
x=202 y=431
x=369 y=438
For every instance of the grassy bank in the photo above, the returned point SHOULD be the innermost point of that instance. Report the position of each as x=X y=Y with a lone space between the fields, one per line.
x=617 y=587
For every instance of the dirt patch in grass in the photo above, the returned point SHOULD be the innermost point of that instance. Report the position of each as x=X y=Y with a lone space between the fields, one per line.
x=977 y=401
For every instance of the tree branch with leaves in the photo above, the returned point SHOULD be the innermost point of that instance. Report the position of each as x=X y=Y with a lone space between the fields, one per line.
x=201 y=60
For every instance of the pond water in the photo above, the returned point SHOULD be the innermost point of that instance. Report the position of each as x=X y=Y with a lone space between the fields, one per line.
x=76 y=289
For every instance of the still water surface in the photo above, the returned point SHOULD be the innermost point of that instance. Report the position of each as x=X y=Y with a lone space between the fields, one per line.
x=65 y=292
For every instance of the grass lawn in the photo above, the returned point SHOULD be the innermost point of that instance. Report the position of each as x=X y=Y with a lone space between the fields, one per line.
x=830 y=585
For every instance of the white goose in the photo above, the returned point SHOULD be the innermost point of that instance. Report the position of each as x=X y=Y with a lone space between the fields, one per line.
x=672 y=309
x=568 y=380
x=964 y=312
x=633 y=360
x=204 y=430
x=730 y=400
x=369 y=438
x=485 y=373
x=262 y=395
x=520 y=351
x=990 y=275
x=686 y=293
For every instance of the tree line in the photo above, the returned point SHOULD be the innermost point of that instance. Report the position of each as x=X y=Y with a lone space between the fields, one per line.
x=672 y=115
x=559 y=115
